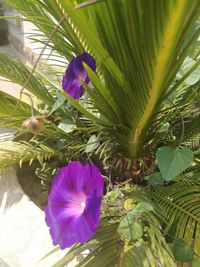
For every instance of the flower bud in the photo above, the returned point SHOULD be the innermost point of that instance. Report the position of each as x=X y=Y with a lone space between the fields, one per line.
x=34 y=125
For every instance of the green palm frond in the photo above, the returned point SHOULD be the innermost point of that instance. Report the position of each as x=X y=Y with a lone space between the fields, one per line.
x=143 y=74
x=17 y=72
x=10 y=116
x=190 y=178
x=180 y=206
x=192 y=128
x=108 y=249
x=14 y=152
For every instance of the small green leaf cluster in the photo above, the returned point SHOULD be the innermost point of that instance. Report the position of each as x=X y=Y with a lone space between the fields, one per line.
x=130 y=227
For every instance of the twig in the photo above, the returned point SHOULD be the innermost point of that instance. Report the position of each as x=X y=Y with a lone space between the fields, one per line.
x=32 y=104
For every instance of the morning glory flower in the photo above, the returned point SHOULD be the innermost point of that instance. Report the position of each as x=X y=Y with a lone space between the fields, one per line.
x=76 y=72
x=74 y=203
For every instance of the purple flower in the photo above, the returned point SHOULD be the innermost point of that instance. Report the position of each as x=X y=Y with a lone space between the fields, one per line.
x=74 y=204
x=75 y=72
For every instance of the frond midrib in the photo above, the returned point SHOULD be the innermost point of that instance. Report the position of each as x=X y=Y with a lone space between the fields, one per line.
x=165 y=50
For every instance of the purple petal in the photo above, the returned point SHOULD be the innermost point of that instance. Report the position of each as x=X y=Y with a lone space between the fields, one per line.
x=76 y=72
x=74 y=204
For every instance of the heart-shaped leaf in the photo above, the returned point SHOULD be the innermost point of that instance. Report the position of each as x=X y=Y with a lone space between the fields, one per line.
x=67 y=126
x=130 y=229
x=181 y=251
x=173 y=161
x=140 y=208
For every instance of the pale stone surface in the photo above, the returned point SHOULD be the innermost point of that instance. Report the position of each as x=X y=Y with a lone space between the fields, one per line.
x=24 y=236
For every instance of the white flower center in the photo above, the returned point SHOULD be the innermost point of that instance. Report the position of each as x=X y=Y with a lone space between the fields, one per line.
x=76 y=204
x=83 y=204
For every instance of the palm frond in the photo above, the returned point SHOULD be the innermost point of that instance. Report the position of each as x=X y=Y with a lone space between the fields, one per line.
x=148 y=71
x=108 y=249
x=137 y=76
x=13 y=111
x=14 y=152
x=17 y=72
x=190 y=178
x=180 y=206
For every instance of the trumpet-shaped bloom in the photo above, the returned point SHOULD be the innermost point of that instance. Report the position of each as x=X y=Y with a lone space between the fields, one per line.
x=74 y=204
x=76 y=72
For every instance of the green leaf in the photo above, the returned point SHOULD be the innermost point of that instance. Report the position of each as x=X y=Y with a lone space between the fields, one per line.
x=59 y=102
x=194 y=76
x=164 y=127
x=141 y=208
x=15 y=152
x=17 y=72
x=46 y=171
x=129 y=229
x=181 y=251
x=175 y=203
x=155 y=179
x=92 y=144
x=57 y=248
x=67 y=126
x=83 y=110
x=10 y=116
x=173 y=161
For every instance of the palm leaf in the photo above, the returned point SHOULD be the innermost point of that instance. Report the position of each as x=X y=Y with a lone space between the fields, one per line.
x=17 y=72
x=180 y=206
x=14 y=152
x=108 y=249
x=13 y=111
x=149 y=71
x=144 y=73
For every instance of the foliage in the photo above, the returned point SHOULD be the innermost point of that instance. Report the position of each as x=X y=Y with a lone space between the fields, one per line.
x=141 y=116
